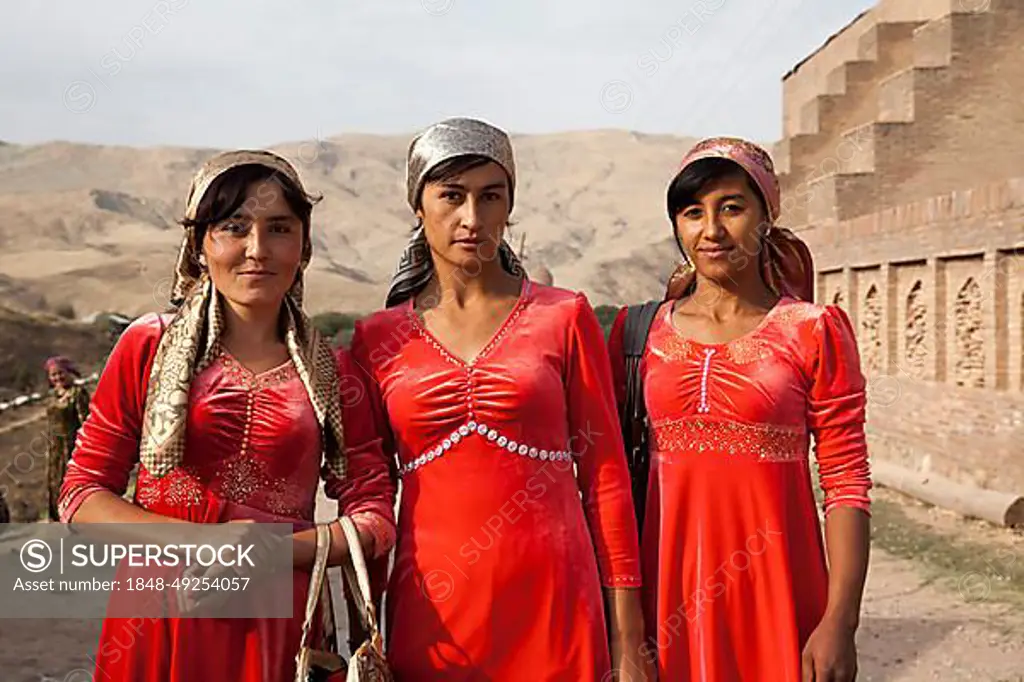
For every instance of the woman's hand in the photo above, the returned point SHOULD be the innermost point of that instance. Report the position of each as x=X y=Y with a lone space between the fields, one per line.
x=830 y=654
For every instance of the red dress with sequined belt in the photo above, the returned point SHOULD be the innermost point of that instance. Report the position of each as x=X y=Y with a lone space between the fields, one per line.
x=515 y=506
x=733 y=559
x=252 y=451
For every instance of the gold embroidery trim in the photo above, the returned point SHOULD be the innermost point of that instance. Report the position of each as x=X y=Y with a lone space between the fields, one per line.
x=794 y=312
x=241 y=476
x=237 y=479
x=671 y=347
x=746 y=350
x=742 y=351
x=256 y=382
x=760 y=442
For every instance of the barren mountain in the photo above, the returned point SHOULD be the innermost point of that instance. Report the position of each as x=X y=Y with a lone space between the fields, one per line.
x=96 y=226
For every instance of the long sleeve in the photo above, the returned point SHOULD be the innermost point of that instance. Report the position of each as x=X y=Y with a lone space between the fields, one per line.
x=374 y=416
x=617 y=355
x=107 y=446
x=836 y=413
x=596 y=440
x=367 y=494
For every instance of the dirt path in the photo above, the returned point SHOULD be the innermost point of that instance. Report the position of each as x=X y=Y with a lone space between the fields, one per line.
x=916 y=628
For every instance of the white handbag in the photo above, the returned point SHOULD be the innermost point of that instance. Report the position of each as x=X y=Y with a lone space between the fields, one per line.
x=368 y=663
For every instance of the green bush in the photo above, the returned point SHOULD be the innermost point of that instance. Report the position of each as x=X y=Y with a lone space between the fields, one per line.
x=331 y=323
x=606 y=316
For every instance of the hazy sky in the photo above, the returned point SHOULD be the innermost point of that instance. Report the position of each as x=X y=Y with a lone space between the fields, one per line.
x=225 y=73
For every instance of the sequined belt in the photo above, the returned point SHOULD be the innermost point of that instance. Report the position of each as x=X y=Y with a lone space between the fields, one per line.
x=760 y=442
x=473 y=428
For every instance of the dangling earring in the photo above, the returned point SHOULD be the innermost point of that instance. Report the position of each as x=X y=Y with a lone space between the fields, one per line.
x=202 y=261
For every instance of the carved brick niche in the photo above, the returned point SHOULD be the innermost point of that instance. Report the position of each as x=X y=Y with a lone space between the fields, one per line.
x=871 y=334
x=963 y=320
x=914 y=351
x=915 y=332
x=969 y=335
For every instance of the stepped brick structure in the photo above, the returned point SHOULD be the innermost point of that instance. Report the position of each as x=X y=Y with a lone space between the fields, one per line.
x=902 y=167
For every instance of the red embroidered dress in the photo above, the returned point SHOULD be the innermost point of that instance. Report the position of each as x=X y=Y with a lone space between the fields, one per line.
x=253 y=451
x=733 y=559
x=502 y=547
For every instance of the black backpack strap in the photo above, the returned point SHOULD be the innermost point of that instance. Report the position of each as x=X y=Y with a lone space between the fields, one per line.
x=634 y=414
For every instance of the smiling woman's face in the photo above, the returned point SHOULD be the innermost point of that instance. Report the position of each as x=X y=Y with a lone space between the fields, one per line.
x=721 y=228
x=254 y=255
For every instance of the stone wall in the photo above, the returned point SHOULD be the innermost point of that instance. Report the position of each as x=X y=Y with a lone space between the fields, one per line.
x=935 y=290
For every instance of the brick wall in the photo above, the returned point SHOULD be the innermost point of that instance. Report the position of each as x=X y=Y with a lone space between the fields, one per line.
x=935 y=289
x=810 y=77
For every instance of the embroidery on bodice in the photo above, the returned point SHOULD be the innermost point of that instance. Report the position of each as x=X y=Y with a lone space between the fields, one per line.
x=761 y=442
x=250 y=381
x=499 y=335
x=473 y=428
x=697 y=433
x=240 y=478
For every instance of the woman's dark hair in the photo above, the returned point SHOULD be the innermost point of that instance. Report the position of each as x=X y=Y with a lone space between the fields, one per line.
x=228 y=192
x=454 y=167
x=684 y=188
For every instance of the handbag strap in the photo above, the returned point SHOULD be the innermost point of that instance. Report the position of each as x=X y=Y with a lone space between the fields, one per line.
x=633 y=419
x=316 y=580
x=358 y=577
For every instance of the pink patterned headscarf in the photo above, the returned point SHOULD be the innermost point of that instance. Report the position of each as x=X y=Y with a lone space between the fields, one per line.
x=62 y=363
x=753 y=159
x=786 y=261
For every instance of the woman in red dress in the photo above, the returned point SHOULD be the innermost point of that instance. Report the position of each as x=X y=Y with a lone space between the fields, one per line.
x=497 y=394
x=739 y=372
x=232 y=407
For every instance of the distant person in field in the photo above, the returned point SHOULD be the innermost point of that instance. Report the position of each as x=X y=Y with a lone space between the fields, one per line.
x=739 y=373
x=517 y=533
x=65 y=414
x=231 y=406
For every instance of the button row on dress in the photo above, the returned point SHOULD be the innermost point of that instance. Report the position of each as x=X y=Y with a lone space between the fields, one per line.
x=704 y=407
x=248 y=423
x=492 y=435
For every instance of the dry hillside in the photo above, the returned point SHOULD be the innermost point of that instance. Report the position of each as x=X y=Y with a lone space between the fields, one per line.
x=95 y=226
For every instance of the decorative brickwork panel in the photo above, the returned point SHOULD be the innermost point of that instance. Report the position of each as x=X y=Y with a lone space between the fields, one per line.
x=871 y=330
x=915 y=333
x=969 y=363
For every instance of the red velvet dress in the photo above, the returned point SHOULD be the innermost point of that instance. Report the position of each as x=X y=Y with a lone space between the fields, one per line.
x=515 y=506
x=733 y=558
x=252 y=452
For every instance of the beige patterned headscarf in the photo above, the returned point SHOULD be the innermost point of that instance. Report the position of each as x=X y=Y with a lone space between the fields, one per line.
x=190 y=341
x=451 y=138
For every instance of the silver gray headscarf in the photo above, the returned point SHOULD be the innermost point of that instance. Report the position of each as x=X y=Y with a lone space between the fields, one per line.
x=442 y=142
